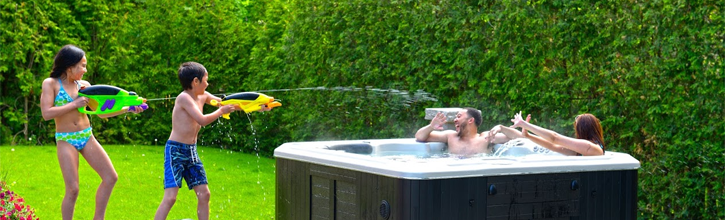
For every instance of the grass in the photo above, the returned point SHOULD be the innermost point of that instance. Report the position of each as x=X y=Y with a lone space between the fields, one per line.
x=241 y=185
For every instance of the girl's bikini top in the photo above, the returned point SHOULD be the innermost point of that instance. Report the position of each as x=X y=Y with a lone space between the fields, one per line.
x=63 y=98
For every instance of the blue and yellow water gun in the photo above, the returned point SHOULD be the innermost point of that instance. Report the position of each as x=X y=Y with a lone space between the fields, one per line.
x=105 y=99
x=248 y=101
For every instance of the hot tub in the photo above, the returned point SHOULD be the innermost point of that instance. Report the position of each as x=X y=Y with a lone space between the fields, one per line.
x=405 y=179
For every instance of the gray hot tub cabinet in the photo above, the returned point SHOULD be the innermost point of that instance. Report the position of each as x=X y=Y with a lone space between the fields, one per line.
x=346 y=180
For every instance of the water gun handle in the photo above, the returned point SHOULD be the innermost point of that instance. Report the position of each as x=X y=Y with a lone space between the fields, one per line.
x=144 y=106
x=216 y=103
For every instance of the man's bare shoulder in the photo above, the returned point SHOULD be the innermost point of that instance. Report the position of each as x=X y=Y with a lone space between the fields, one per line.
x=482 y=135
x=450 y=135
x=447 y=132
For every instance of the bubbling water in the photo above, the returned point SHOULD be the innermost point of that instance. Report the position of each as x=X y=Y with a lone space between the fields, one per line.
x=520 y=147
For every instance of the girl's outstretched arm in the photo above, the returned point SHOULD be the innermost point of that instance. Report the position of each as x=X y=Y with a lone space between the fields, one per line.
x=501 y=134
x=548 y=145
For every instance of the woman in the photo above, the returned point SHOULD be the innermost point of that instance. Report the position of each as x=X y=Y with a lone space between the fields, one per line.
x=589 y=139
x=59 y=101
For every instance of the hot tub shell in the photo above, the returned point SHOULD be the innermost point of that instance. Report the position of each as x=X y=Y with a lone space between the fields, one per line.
x=321 y=180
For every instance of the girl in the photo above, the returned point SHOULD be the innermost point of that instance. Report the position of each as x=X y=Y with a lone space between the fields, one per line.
x=59 y=101
x=589 y=139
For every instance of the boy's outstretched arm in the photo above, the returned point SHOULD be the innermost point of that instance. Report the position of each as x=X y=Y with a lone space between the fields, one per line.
x=210 y=97
x=187 y=103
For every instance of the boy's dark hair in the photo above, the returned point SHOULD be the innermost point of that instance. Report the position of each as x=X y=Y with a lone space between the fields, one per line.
x=476 y=114
x=68 y=56
x=188 y=71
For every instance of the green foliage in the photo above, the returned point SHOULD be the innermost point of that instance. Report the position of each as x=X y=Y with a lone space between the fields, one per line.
x=652 y=71
x=29 y=37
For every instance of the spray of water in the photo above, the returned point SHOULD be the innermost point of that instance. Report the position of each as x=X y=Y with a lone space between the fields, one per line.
x=417 y=96
x=407 y=97
x=256 y=150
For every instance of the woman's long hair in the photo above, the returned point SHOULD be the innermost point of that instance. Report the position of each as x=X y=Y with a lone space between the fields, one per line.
x=68 y=56
x=587 y=127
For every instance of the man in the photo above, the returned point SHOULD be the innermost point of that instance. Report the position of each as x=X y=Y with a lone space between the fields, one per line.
x=465 y=140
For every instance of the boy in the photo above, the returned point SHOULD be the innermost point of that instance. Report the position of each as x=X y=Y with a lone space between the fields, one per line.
x=180 y=157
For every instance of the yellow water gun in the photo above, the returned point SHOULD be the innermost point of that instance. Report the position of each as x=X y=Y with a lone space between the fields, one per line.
x=248 y=101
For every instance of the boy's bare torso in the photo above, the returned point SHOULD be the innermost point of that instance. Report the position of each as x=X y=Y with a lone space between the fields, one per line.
x=184 y=128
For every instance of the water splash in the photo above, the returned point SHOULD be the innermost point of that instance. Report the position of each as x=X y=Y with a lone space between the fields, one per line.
x=501 y=149
x=256 y=148
x=520 y=147
x=417 y=96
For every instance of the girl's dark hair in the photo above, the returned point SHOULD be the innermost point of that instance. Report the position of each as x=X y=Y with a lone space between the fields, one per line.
x=587 y=127
x=188 y=71
x=68 y=56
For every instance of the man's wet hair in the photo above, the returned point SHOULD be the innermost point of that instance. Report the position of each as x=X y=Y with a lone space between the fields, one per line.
x=188 y=71
x=476 y=114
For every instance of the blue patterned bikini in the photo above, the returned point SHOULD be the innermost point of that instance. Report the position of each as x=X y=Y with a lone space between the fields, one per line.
x=79 y=138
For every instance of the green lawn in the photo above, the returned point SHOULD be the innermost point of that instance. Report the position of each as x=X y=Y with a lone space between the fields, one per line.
x=241 y=185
